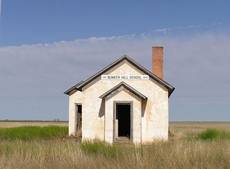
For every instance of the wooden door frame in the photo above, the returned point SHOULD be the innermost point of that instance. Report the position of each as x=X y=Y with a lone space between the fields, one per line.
x=130 y=103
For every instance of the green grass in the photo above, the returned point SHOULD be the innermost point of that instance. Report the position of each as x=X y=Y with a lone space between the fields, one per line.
x=33 y=132
x=214 y=134
x=99 y=148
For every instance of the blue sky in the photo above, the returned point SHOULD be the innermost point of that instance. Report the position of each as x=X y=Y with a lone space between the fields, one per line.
x=45 y=45
x=36 y=21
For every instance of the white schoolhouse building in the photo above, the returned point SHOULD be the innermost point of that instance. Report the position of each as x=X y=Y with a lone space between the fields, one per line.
x=122 y=101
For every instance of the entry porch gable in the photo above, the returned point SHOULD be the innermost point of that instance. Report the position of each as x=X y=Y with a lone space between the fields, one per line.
x=123 y=95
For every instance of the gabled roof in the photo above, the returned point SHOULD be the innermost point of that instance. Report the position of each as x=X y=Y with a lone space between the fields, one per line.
x=73 y=88
x=80 y=85
x=121 y=85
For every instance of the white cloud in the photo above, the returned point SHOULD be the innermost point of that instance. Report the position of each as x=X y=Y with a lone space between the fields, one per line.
x=198 y=66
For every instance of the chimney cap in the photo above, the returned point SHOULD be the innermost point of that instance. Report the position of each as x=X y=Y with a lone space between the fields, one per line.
x=157 y=47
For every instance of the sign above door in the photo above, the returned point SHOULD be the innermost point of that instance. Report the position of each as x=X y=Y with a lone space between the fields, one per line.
x=125 y=77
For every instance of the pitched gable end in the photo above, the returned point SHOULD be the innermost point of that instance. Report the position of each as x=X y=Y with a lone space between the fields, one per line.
x=80 y=85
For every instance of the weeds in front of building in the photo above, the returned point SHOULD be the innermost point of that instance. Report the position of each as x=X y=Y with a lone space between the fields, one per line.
x=208 y=149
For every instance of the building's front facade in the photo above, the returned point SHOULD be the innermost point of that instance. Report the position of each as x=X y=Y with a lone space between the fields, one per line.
x=123 y=100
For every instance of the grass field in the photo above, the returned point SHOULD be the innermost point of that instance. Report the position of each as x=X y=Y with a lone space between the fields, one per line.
x=9 y=124
x=48 y=148
x=28 y=133
x=183 y=129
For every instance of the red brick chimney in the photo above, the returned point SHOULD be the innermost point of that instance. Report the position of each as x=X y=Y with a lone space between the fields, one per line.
x=157 y=61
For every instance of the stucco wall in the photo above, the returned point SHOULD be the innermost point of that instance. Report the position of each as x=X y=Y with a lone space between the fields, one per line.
x=75 y=98
x=155 y=112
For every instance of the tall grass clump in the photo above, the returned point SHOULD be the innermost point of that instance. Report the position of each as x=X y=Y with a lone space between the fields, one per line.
x=50 y=154
x=33 y=133
x=99 y=148
x=214 y=134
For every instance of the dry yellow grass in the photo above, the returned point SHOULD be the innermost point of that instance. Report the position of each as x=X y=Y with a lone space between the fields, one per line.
x=8 y=124
x=183 y=129
x=69 y=155
x=178 y=153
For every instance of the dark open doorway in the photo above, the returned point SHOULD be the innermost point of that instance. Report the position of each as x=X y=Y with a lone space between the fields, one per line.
x=79 y=120
x=123 y=112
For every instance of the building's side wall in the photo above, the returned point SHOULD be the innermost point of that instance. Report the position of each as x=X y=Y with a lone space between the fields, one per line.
x=74 y=99
x=123 y=96
x=72 y=116
x=155 y=119
x=155 y=112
